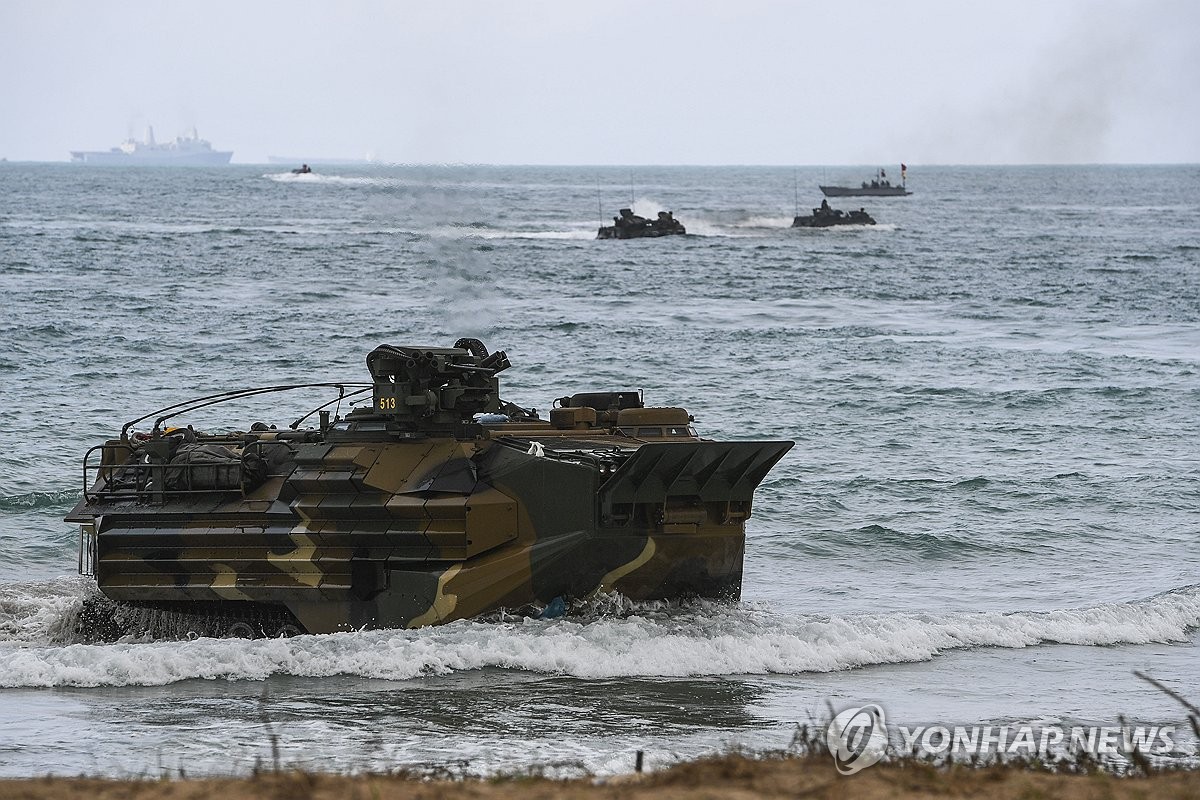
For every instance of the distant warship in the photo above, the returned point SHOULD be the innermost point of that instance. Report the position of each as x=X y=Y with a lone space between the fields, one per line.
x=630 y=226
x=879 y=186
x=185 y=151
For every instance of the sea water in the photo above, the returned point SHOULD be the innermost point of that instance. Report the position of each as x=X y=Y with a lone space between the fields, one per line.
x=992 y=513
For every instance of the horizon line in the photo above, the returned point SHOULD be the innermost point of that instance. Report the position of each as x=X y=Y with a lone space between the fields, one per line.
x=873 y=165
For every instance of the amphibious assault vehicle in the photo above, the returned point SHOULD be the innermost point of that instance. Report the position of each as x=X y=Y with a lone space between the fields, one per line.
x=826 y=217
x=631 y=226
x=439 y=502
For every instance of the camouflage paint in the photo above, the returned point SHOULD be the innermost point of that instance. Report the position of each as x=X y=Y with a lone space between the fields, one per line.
x=383 y=524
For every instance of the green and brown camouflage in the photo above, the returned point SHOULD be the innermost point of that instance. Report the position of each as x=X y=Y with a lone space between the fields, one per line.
x=440 y=502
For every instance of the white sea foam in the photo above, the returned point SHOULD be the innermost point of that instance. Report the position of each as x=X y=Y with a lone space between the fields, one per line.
x=39 y=612
x=699 y=226
x=468 y=232
x=578 y=235
x=764 y=222
x=331 y=180
x=708 y=639
x=648 y=207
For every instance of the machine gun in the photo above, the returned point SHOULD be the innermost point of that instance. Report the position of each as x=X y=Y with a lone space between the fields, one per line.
x=436 y=389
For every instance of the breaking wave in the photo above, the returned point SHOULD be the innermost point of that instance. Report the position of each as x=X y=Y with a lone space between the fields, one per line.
x=39 y=612
x=702 y=639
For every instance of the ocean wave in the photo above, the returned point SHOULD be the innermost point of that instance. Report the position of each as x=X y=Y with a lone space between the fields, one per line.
x=35 y=500
x=40 y=612
x=919 y=545
x=702 y=639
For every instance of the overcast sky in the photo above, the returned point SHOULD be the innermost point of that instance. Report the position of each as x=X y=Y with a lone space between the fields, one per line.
x=650 y=82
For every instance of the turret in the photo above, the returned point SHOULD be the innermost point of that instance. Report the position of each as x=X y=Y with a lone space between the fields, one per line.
x=435 y=389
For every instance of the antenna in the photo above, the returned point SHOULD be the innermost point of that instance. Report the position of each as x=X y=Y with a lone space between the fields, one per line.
x=631 y=200
x=599 y=204
x=795 y=192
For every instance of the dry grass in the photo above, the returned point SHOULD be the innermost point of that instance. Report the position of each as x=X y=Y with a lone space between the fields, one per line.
x=730 y=777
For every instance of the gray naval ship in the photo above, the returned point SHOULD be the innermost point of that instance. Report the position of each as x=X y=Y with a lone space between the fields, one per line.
x=184 y=151
x=879 y=186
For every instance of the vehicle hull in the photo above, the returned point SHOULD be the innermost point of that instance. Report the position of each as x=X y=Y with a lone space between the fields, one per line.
x=393 y=534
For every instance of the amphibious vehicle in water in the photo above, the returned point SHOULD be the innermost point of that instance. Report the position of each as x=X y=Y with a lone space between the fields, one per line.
x=826 y=217
x=631 y=226
x=439 y=502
